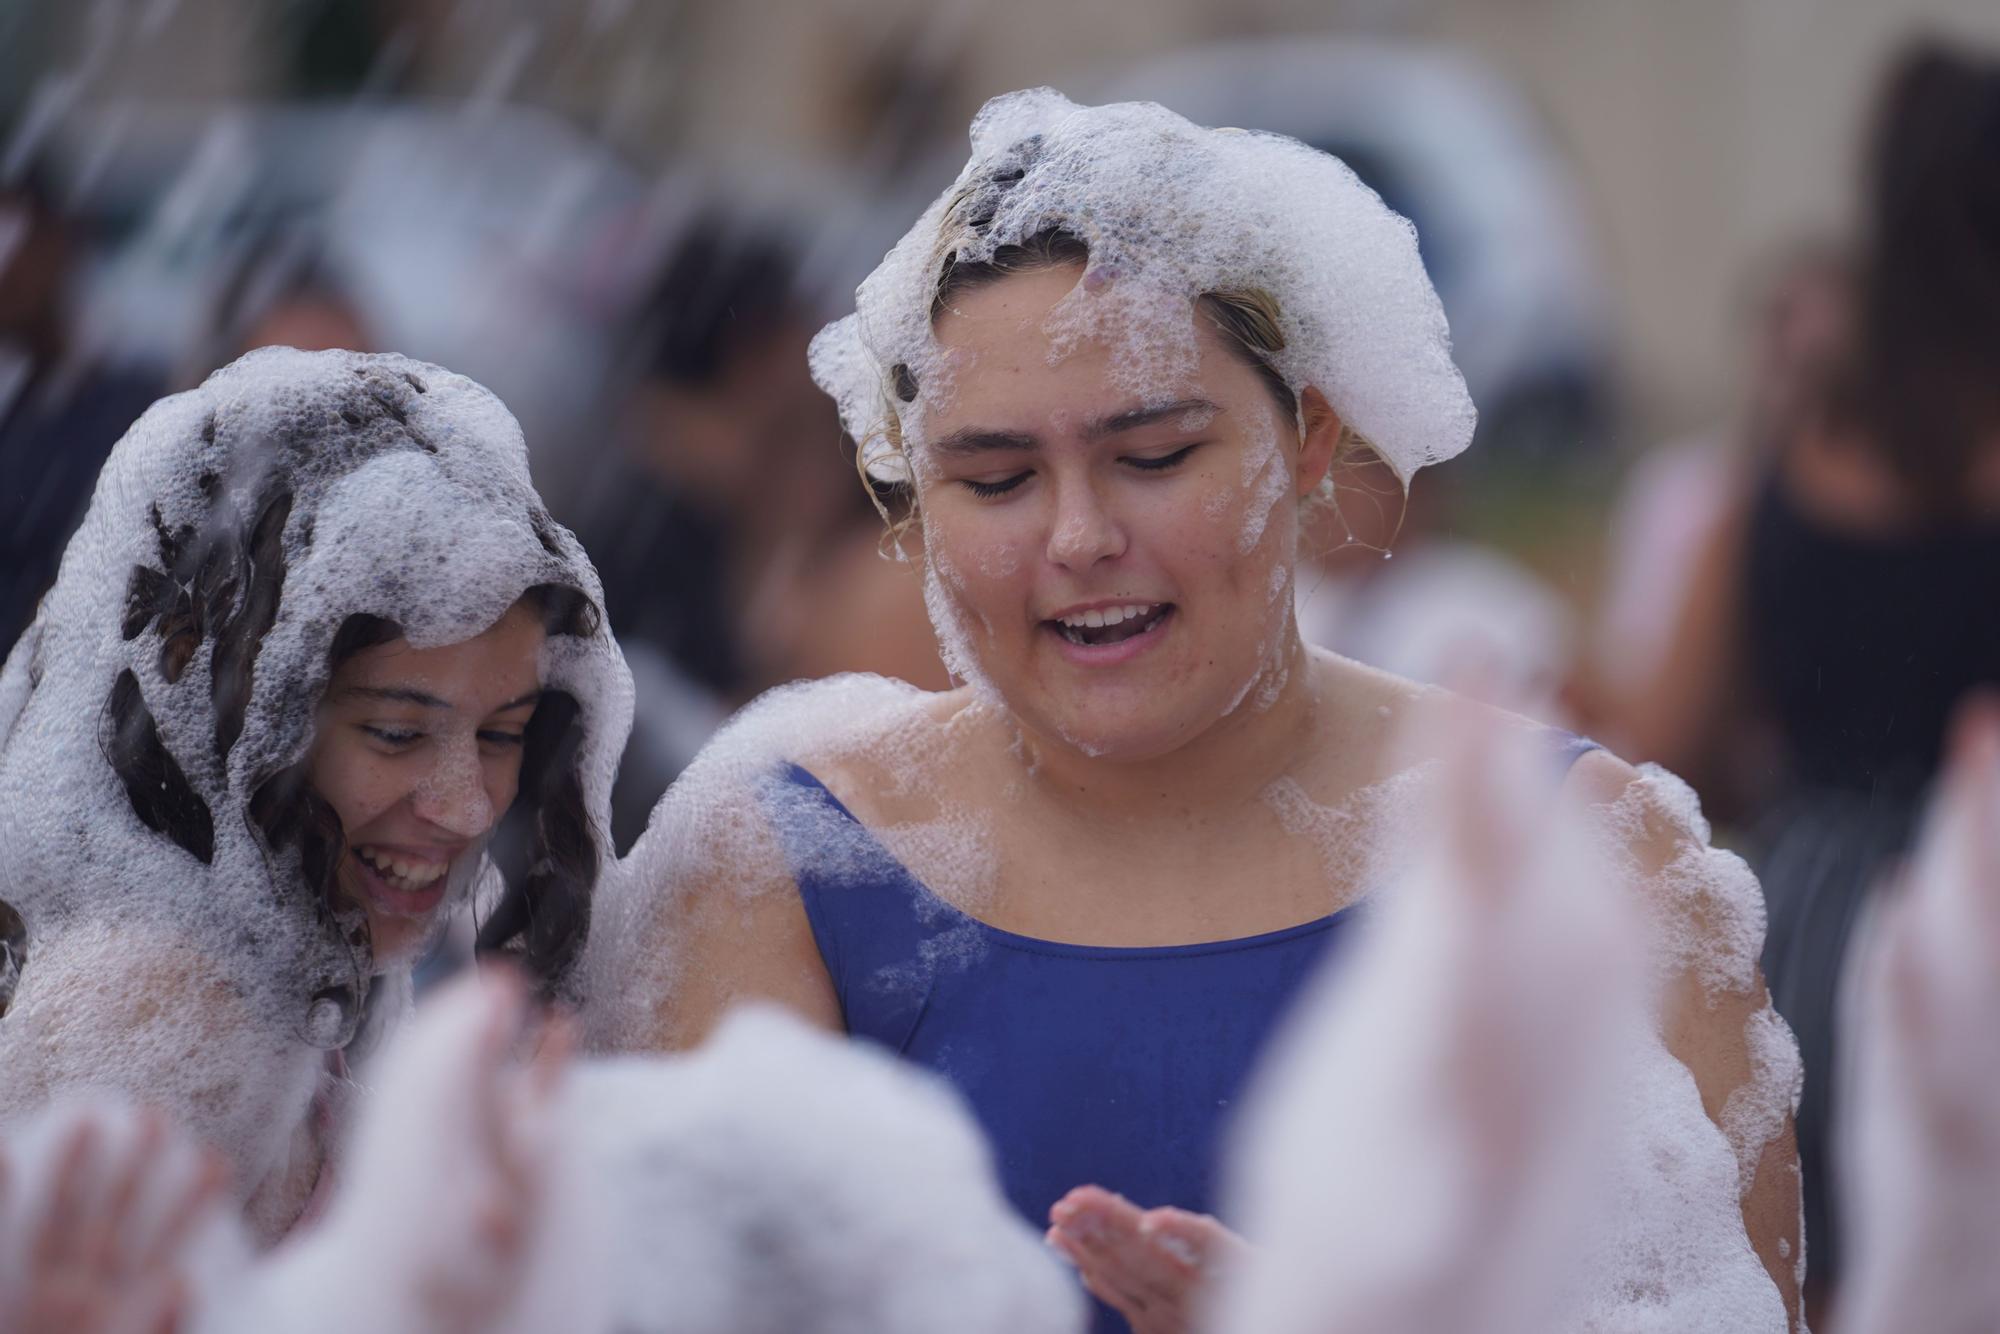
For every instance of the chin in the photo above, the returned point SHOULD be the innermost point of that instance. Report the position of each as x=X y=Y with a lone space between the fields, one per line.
x=400 y=942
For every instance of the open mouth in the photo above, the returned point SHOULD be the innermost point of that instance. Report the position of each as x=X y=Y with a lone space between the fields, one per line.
x=1110 y=625
x=399 y=883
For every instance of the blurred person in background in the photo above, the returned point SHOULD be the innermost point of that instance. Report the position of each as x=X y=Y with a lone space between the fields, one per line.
x=283 y=292
x=1669 y=510
x=735 y=551
x=61 y=408
x=1851 y=580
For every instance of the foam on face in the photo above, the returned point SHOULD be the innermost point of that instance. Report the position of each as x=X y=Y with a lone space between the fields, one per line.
x=371 y=485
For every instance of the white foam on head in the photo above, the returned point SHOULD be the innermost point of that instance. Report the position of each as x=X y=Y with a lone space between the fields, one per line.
x=384 y=487
x=1169 y=211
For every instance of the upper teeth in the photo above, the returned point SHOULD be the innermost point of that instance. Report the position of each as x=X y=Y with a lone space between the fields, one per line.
x=1107 y=615
x=402 y=872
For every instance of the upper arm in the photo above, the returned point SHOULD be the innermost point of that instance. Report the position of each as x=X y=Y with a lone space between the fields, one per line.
x=702 y=915
x=1716 y=1016
x=737 y=943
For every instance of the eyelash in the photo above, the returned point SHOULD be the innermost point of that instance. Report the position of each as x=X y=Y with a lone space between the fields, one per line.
x=1164 y=463
x=394 y=736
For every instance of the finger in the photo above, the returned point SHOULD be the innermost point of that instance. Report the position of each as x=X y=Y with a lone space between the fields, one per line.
x=112 y=1223
x=552 y=1058
x=170 y=1308
x=202 y=1194
x=58 y=1237
x=1188 y=1241
x=1106 y=1229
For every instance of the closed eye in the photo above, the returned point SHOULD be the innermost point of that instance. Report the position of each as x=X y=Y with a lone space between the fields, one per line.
x=502 y=738
x=1165 y=461
x=999 y=488
x=392 y=736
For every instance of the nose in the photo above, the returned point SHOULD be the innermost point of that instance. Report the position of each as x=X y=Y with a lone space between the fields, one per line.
x=1083 y=531
x=454 y=796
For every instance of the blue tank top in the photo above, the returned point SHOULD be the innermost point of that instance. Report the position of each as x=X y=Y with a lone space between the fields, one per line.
x=1084 y=1064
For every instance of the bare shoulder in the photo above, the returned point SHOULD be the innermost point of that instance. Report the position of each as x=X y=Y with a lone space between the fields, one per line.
x=707 y=912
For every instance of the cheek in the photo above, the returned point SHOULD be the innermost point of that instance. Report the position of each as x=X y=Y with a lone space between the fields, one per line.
x=982 y=556
x=356 y=782
x=503 y=781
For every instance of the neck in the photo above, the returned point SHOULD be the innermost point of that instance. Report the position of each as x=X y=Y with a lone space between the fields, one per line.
x=1230 y=763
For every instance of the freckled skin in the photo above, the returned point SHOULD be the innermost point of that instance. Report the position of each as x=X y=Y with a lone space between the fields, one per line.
x=448 y=775
x=1086 y=524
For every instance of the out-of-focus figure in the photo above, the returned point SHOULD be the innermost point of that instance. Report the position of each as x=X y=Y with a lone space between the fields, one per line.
x=1920 y=1152
x=737 y=552
x=61 y=410
x=284 y=293
x=1849 y=581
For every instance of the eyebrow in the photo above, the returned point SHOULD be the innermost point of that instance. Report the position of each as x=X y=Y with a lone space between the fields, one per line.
x=1138 y=417
x=978 y=440
x=423 y=699
x=981 y=440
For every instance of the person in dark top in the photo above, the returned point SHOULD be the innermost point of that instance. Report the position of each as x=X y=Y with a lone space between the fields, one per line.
x=1852 y=585
x=60 y=412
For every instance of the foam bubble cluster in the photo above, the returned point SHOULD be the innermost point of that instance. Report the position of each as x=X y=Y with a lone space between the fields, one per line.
x=1532 y=1162
x=1170 y=211
x=233 y=530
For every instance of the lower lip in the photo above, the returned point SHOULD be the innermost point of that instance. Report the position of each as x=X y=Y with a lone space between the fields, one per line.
x=1111 y=655
x=400 y=902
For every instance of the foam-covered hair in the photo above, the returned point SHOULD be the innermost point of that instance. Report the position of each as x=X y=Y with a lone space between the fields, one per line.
x=1169 y=211
x=169 y=682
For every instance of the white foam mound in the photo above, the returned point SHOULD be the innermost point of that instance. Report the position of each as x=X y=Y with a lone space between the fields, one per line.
x=1471 y=1121
x=208 y=977
x=783 y=1180
x=1170 y=211
x=777 y=1181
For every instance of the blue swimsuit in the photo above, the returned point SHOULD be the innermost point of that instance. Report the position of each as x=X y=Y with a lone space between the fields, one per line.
x=1085 y=1064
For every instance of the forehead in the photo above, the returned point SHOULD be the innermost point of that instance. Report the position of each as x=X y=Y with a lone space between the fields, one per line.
x=501 y=663
x=1007 y=350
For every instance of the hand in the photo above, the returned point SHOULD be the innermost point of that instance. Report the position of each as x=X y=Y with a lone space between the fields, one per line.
x=1153 y=1265
x=507 y=1099
x=96 y=1260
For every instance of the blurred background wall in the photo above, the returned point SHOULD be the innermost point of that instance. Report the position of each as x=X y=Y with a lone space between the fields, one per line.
x=1704 y=133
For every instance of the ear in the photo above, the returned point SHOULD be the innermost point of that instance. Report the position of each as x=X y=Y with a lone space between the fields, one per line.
x=1320 y=442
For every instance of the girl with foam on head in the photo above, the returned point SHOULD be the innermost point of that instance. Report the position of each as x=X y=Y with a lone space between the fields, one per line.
x=1106 y=370
x=316 y=641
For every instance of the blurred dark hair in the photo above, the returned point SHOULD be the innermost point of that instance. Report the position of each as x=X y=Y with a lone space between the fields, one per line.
x=1924 y=387
x=726 y=286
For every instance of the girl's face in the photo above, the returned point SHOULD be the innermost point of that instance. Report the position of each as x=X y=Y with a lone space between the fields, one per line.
x=418 y=751
x=1119 y=571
